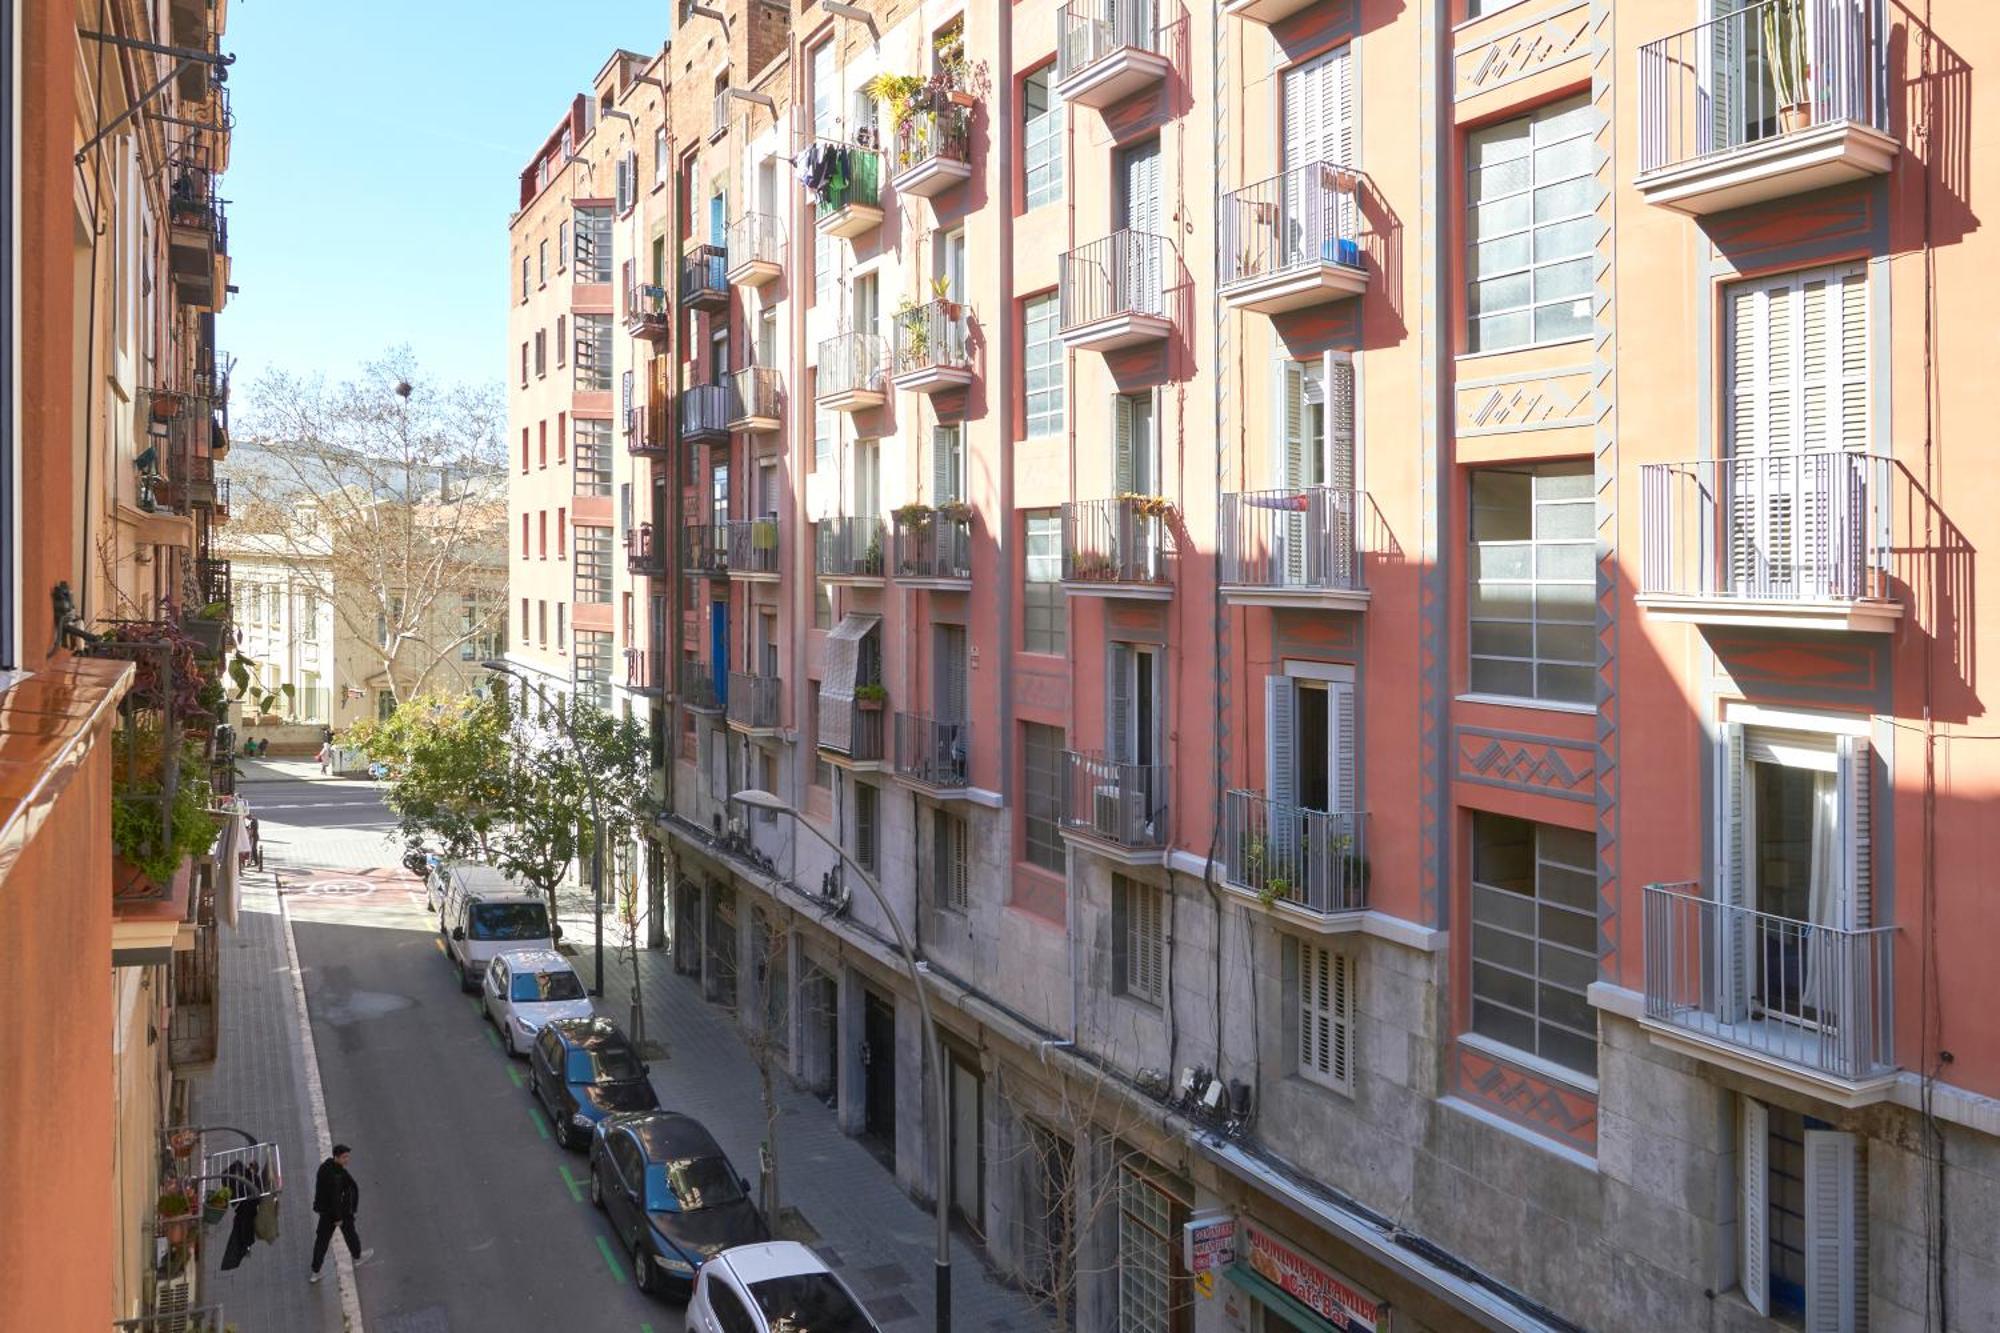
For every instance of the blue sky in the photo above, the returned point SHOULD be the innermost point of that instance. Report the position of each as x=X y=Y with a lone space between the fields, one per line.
x=376 y=159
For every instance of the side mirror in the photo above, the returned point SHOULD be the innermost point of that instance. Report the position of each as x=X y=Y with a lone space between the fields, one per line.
x=555 y=932
x=458 y=932
x=744 y=1181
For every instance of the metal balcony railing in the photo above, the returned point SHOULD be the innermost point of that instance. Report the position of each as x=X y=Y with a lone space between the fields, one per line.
x=707 y=550
x=645 y=434
x=704 y=411
x=1301 y=537
x=698 y=689
x=1123 y=540
x=756 y=237
x=1125 y=273
x=1089 y=30
x=1123 y=804
x=192 y=1027
x=646 y=307
x=756 y=391
x=752 y=545
x=862 y=183
x=1789 y=527
x=753 y=700
x=1285 y=853
x=927 y=135
x=1298 y=220
x=1818 y=998
x=222 y=496
x=849 y=548
x=645 y=670
x=931 y=336
x=850 y=362
x=1766 y=70
x=645 y=555
x=846 y=727
x=931 y=752
x=704 y=271
x=197 y=1319
x=933 y=545
x=212 y=581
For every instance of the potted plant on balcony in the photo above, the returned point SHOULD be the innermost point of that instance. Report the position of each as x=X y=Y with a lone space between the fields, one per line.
x=954 y=511
x=155 y=828
x=871 y=697
x=166 y=405
x=911 y=515
x=871 y=562
x=208 y=626
x=215 y=1206
x=913 y=348
x=1786 y=60
x=1274 y=890
x=1147 y=506
x=175 y=1212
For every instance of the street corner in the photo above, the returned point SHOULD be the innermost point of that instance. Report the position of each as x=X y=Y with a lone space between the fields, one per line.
x=344 y=892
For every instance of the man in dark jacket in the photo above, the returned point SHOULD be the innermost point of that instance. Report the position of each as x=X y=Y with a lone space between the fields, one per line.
x=336 y=1198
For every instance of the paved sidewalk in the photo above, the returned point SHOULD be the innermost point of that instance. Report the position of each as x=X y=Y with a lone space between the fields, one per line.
x=879 y=1240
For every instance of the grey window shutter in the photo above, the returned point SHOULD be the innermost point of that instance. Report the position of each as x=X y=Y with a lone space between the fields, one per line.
x=1122 y=472
x=1856 y=821
x=1118 y=722
x=1732 y=890
x=1346 y=760
x=1281 y=826
x=1753 y=1145
x=1833 y=1233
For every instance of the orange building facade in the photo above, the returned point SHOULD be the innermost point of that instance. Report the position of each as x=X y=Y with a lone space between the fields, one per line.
x=1377 y=586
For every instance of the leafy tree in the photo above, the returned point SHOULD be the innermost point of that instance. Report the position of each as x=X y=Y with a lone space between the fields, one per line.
x=451 y=783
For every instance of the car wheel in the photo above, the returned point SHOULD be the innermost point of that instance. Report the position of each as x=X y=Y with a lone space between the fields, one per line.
x=596 y=1187
x=561 y=1126
x=643 y=1275
x=507 y=1040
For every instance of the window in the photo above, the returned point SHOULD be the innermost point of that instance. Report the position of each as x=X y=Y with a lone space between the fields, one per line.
x=627 y=187
x=1534 y=938
x=826 y=432
x=1803 y=1218
x=1042 y=137
x=524 y=448
x=541 y=353
x=593 y=565
x=1322 y=983
x=824 y=270
x=822 y=604
x=541 y=444
x=1533 y=602
x=951 y=861
x=593 y=245
x=542 y=533
x=1153 y=1293
x=524 y=536
x=524 y=279
x=593 y=456
x=562 y=532
x=1529 y=230
x=1138 y=940
x=562 y=436
x=562 y=245
x=562 y=616
x=562 y=338
x=542 y=263
x=730 y=1314
x=947 y=463
x=593 y=351
x=524 y=364
x=542 y=623
x=1044 y=606
x=524 y=620
x=484 y=625
x=1041 y=794
x=867 y=825
x=593 y=666
x=1043 y=362
x=660 y=163
x=1476 y=8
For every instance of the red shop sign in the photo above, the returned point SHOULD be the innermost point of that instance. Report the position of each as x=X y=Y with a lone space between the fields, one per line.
x=1311 y=1284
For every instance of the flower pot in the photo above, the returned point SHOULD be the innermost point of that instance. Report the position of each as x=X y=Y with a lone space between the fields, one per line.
x=1793 y=118
x=166 y=406
x=176 y=1229
x=212 y=1212
x=869 y=705
x=960 y=97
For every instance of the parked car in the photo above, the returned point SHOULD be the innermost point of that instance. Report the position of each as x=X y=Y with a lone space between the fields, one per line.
x=583 y=1069
x=485 y=913
x=671 y=1195
x=775 y=1287
x=527 y=989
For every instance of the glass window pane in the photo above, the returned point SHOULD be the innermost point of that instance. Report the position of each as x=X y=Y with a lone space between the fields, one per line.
x=1569 y=320
x=1500 y=217
x=1490 y=332
x=1568 y=560
x=1565 y=684
x=1492 y=639
x=1564 y=200
x=1569 y=1049
x=1559 y=161
x=1503 y=987
x=1503 y=293
x=1502 y=255
x=1570 y=278
x=1574 y=603
x=1502 y=601
x=1501 y=907
x=1555 y=521
x=1514 y=679
x=1573 y=929
x=1502 y=1025
x=1565 y=643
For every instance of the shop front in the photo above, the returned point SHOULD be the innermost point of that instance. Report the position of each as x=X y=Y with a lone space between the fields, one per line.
x=1251 y=1279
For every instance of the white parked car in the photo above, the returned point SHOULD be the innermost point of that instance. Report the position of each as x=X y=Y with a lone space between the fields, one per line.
x=525 y=990
x=773 y=1288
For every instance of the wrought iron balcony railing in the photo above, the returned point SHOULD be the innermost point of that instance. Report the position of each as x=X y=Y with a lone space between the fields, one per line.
x=931 y=752
x=1088 y=31
x=1285 y=853
x=851 y=363
x=848 y=726
x=1300 y=538
x=855 y=179
x=933 y=545
x=1118 y=541
x=707 y=548
x=756 y=247
x=1298 y=220
x=705 y=276
x=754 y=700
x=698 y=688
x=752 y=546
x=645 y=555
x=1124 y=274
x=931 y=336
x=705 y=412
x=934 y=136
x=756 y=394
x=849 y=548
x=1123 y=804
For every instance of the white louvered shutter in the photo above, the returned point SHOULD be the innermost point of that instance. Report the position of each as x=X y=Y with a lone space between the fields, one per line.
x=1855 y=765
x=946 y=482
x=1326 y=1016
x=1833 y=1233
x=1737 y=942
x=1753 y=1158
x=1339 y=468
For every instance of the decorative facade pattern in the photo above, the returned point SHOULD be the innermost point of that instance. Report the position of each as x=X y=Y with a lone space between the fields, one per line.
x=1541 y=765
x=1540 y=40
x=1539 y=1104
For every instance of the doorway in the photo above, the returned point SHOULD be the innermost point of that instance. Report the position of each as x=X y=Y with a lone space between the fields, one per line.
x=878 y=1071
x=968 y=1144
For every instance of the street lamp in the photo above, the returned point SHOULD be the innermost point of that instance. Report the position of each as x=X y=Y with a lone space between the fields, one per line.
x=763 y=800
x=500 y=668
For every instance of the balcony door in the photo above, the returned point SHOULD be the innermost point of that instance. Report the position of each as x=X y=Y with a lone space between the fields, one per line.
x=948 y=673
x=949 y=258
x=1135 y=705
x=1135 y=470
x=1319 y=127
x=1139 y=213
x=1315 y=471
x=1738 y=102
x=1311 y=774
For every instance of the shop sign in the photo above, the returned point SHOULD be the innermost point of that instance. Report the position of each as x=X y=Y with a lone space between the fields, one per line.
x=1208 y=1242
x=1312 y=1284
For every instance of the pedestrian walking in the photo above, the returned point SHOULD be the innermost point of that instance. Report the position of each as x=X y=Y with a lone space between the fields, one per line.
x=256 y=847
x=325 y=753
x=336 y=1198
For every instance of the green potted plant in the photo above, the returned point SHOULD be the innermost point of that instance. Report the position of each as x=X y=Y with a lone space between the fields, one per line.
x=914 y=342
x=1786 y=60
x=175 y=1212
x=209 y=627
x=871 y=697
x=215 y=1206
x=158 y=820
x=955 y=511
x=910 y=515
x=1274 y=890
x=871 y=563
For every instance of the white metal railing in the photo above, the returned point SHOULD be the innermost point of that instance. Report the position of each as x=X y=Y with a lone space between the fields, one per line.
x=1765 y=70
x=1786 y=527
x=1301 y=537
x=1817 y=997
x=1121 y=540
x=931 y=336
x=1089 y=30
x=851 y=361
x=1125 y=804
x=757 y=236
x=1125 y=273
x=1314 y=858
x=1297 y=220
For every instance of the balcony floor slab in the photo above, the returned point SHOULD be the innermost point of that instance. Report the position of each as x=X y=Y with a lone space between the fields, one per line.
x=1302 y=599
x=1785 y=164
x=1296 y=288
x=1123 y=330
x=1868 y=616
x=1718 y=1050
x=932 y=176
x=1113 y=77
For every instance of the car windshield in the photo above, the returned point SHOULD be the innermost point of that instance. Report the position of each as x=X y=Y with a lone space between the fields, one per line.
x=606 y=1064
x=535 y=987
x=509 y=921
x=690 y=1185
x=810 y=1303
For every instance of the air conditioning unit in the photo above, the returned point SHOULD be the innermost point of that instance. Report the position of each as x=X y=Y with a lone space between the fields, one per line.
x=1108 y=812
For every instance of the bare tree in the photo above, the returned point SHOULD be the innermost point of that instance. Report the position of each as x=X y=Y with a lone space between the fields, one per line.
x=386 y=497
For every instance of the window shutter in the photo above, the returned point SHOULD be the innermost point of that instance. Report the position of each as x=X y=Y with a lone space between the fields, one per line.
x=944 y=464
x=1832 y=1240
x=864 y=824
x=1118 y=721
x=1155 y=941
x=1340 y=421
x=1281 y=731
x=656 y=398
x=1314 y=1028
x=1345 y=765
x=1295 y=461
x=1122 y=482
x=1856 y=829
x=960 y=860
x=1732 y=875
x=1340 y=1008
x=1852 y=414
x=1753 y=1160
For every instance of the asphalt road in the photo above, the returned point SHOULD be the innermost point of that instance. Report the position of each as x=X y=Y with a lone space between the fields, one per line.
x=478 y=1220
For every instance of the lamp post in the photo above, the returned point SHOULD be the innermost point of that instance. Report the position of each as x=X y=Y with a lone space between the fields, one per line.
x=763 y=800
x=500 y=668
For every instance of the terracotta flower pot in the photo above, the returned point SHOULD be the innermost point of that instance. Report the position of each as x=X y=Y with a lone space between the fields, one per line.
x=1796 y=117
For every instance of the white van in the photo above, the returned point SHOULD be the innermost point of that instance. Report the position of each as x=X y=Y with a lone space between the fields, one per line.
x=487 y=913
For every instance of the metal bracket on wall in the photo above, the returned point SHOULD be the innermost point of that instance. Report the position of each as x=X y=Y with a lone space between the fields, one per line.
x=184 y=55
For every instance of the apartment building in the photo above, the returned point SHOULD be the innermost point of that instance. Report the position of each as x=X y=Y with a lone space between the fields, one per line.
x=1374 y=584
x=113 y=417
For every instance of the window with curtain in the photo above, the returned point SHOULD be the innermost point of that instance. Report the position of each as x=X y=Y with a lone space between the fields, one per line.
x=1534 y=938
x=1042 y=138
x=1042 y=363
x=1534 y=583
x=1530 y=229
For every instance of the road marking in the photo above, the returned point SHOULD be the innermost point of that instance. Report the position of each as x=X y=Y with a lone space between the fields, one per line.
x=617 y=1273
x=514 y=1074
x=575 y=1188
x=541 y=1125
x=477 y=1007
x=493 y=1037
x=645 y=1328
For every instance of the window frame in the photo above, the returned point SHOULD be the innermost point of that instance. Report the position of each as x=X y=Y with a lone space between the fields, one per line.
x=1042 y=843
x=1488 y=933
x=1481 y=552
x=1041 y=313
x=1139 y=911
x=1330 y=1007
x=1582 y=221
x=1042 y=136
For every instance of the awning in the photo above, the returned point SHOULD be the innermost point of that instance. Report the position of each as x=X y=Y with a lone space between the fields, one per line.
x=839 y=671
x=1277 y=1302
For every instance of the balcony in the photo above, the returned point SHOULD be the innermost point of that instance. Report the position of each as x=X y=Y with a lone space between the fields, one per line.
x=756 y=399
x=193 y=1026
x=1775 y=99
x=752 y=549
x=1107 y=50
x=646 y=671
x=1117 y=548
x=222 y=498
x=1289 y=242
x=1295 y=547
x=1312 y=860
x=707 y=550
x=756 y=249
x=849 y=550
x=852 y=372
x=1266 y=12
x=1785 y=540
x=753 y=703
x=645 y=557
x=933 y=547
x=847 y=194
x=646 y=432
x=850 y=730
x=933 y=151
x=1113 y=292
x=930 y=347
x=932 y=755
x=1769 y=995
x=197 y=237
x=705 y=278
x=698 y=689
x=647 y=314
x=705 y=414
x=212 y=581
x=1120 y=810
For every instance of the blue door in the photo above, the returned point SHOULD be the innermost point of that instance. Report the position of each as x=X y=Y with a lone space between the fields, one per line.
x=718 y=225
x=718 y=648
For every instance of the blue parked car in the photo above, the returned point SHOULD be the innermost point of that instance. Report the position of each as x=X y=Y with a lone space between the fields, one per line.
x=671 y=1195
x=583 y=1069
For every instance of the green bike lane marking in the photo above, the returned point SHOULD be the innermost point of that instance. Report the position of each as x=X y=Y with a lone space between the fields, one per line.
x=541 y=1125
x=575 y=1185
x=515 y=1074
x=617 y=1273
x=493 y=1037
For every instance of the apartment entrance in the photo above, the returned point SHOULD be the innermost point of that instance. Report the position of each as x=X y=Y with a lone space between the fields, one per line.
x=878 y=1075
